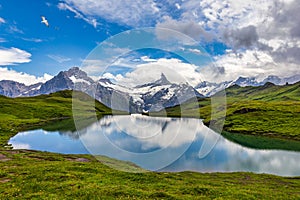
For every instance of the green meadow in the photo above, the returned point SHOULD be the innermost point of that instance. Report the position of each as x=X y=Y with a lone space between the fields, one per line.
x=38 y=175
x=26 y=174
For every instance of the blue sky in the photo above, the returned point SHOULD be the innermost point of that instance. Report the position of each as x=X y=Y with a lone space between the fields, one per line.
x=64 y=44
x=250 y=38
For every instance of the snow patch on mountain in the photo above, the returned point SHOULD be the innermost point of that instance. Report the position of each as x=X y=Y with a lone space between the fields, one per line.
x=75 y=80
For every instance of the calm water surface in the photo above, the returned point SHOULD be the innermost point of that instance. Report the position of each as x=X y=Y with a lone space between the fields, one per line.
x=161 y=144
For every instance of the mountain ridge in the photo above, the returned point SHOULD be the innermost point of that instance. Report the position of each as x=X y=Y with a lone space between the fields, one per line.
x=152 y=96
x=208 y=89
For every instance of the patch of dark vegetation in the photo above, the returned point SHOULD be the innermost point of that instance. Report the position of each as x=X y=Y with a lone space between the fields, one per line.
x=196 y=191
x=246 y=110
x=161 y=195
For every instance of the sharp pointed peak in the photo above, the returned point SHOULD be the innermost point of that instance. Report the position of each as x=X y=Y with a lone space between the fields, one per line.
x=163 y=80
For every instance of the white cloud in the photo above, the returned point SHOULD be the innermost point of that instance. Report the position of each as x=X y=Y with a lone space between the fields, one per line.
x=187 y=27
x=37 y=40
x=58 y=58
x=245 y=37
x=253 y=28
x=147 y=59
x=225 y=68
x=94 y=67
x=13 y=56
x=14 y=29
x=175 y=70
x=251 y=63
x=195 y=51
x=27 y=79
x=90 y=20
x=220 y=14
x=2 y=21
x=102 y=57
x=125 y=12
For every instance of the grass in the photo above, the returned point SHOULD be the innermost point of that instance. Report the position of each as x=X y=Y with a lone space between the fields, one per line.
x=271 y=119
x=28 y=174
x=40 y=175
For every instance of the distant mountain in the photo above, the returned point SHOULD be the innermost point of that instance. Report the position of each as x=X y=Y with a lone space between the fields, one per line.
x=63 y=81
x=209 y=89
x=152 y=96
x=267 y=92
x=66 y=80
x=12 y=88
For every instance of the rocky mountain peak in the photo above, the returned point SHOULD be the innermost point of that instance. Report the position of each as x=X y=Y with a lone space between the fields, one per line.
x=105 y=81
x=162 y=81
x=78 y=74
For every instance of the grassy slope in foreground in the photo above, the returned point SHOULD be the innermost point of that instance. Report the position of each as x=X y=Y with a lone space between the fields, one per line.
x=30 y=174
x=267 y=111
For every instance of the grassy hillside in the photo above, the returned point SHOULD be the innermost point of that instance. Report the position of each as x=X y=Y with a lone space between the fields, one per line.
x=17 y=114
x=268 y=92
x=270 y=111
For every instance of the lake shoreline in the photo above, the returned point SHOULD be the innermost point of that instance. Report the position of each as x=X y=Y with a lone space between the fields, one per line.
x=124 y=138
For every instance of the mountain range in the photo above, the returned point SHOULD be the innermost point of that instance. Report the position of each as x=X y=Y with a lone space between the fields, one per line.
x=152 y=96
x=143 y=98
x=208 y=89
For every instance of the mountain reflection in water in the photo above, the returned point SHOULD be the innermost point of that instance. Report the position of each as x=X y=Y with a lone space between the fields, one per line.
x=162 y=144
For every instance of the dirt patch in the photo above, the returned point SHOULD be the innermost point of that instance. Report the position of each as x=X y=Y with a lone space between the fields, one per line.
x=246 y=180
x=79 y=159
x=12 y=151
x=5 y=180
x=3 y=158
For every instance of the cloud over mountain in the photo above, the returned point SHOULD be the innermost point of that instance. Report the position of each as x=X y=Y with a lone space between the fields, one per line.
x=13 y=56
x=27 y=79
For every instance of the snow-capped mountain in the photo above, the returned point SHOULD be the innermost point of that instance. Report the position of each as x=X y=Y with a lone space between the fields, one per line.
x=152 y=96
x=162 y=93
x=143 y=98
x=12 y=88
x=208 y=89
x=63 y=81
x=66 y=80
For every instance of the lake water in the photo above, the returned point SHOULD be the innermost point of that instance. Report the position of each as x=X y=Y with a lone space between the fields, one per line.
x=161 y=144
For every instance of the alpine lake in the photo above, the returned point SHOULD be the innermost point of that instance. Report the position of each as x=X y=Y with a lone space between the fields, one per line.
x=159 y=144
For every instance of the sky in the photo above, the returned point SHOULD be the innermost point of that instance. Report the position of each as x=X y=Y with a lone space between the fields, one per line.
x=254 y=38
